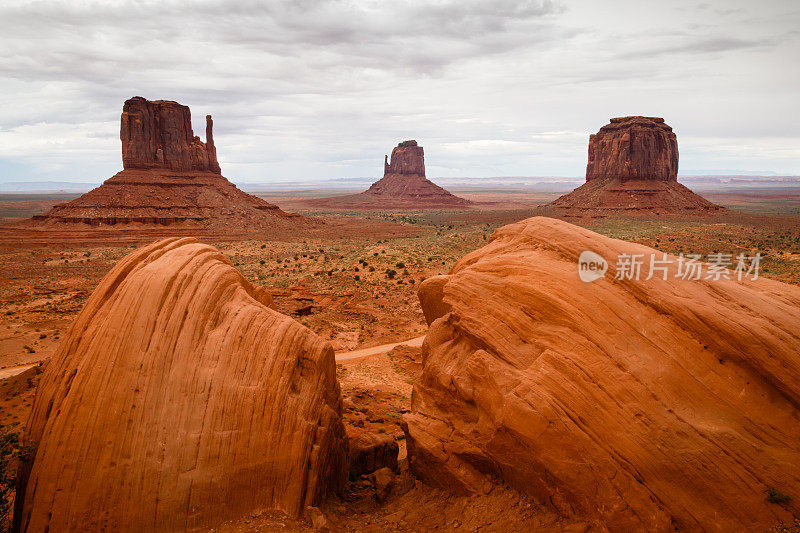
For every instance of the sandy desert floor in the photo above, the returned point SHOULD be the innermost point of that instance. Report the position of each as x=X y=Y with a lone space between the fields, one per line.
x=358 y=290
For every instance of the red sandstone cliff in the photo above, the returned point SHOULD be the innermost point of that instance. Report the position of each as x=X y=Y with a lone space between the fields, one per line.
x=633 y=148
x=158 y=134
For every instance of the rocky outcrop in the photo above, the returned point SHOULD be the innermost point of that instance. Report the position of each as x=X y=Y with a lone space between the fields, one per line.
x=407 y=158
x=181 y=200
x=159 y=134
x=633 y=148
x=403 y=185
x=632 y=169
x=171 y=180
x=180 y=399
x=370 y=452
x=647 y=405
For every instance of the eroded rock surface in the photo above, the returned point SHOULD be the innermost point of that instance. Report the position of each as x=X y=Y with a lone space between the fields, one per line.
x=633 y=148
x=180 y=399
x=159 y=134
x=370 y=452
x=643 y=405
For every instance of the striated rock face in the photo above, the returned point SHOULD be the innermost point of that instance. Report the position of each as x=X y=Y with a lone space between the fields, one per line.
x=632 y=169
x=171 y=179
x=403 y=185
x=159 y=134
x=179 y=399
x=645 y=405
x=168 y=198
x=633 y=148
x=407 y=158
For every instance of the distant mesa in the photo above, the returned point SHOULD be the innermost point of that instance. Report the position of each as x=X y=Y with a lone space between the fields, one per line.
x=632 y=168
x=171 y=179
x=180 y=399
x=403 y=185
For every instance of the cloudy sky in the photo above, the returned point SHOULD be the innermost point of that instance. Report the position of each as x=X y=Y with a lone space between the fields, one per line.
x=319 y=89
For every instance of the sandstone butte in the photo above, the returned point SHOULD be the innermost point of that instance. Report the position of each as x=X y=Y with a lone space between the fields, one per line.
x=180 y=399
x=403 y=185
x=632 y=168
x=170 y=180
x=643 y=405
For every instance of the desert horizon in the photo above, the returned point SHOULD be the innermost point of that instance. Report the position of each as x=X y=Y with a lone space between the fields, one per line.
x=518 y=266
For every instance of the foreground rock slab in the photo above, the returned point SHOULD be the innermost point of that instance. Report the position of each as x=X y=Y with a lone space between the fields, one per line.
x=179 y=399
x=642 y=405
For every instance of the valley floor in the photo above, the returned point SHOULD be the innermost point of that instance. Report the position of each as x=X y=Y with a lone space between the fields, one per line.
x=358 y=291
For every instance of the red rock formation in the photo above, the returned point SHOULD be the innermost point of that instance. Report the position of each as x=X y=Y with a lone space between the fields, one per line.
x=632 y=169
x=169 y=198
x=403 y=185
x=647 y=405
x=407 y=158
x=178 y=400
x=170 y=179
x=159 y=134
x=633 y=148
x=370 y=452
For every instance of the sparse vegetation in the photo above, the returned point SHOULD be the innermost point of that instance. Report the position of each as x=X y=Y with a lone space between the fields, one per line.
x=776 y=496
x=11 y=452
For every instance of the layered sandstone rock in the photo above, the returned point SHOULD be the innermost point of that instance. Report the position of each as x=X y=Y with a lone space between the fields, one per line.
x=407 y=158
x=633 y=148
x=403 y=185
x=632 y=169
x=171 y=179
x=159 y=134
x=647 y=405
x=180 y=399
x=181 y=200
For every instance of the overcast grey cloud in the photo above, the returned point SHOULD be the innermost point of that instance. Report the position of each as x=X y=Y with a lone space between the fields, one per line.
x=316 y=89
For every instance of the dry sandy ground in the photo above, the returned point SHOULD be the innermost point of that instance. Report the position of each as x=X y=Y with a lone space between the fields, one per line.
x=377 y=390
x=343 y=288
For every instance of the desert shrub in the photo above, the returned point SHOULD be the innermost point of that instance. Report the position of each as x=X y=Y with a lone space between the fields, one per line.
x=776 y=496
x=390 y=273
x=11 y=451
x=400 y=264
